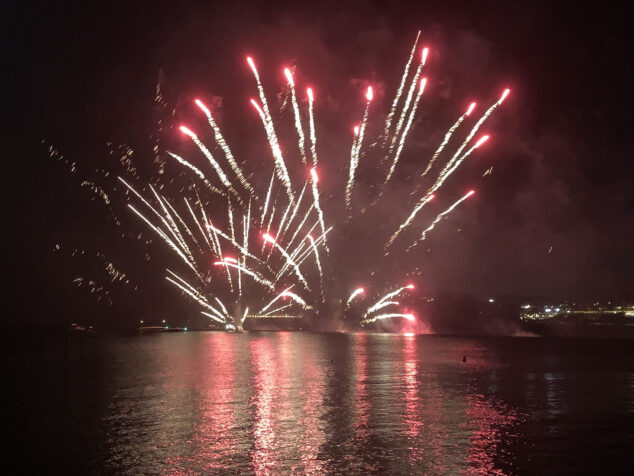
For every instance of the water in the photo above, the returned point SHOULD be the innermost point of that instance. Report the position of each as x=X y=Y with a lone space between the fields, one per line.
x=303 y=403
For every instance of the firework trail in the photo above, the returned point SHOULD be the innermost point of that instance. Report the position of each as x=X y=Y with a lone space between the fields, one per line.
x=409 y=317
x=297 y=299
x=354 y=294
x=399 y=92
x=193 y=294
x=384 y=300
x=189 y=286
x=448 y=137
x=320 y=213
x=298 y=120
x=285 y=306
x=268 y=226
x=220 y=319
x=220 y=140
x=182 y=222
x=170 y=243
x=256 y=277
x=408 y=99
x=306 y=253
x=243 y=249
x=244 y=316
x=214 y=233
x=267 y=121
x=473 y=132
x=311 y=122
x=406 y=130
x=440 y=217
x=197 y=222
x=456 y=164
x=187 y=164
x=351 y=170
x=233 y=239
x=356 y=148
x=421 y=203
x=222 y=306
x=267 y=200
x=301 y=225
x=221 y=175
x=289 y=260
x=231 y=271
x=280 y=295
x=318 y=263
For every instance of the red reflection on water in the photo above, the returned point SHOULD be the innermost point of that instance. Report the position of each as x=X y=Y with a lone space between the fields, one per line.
x=313 y=409
x=263 y=457
x=410 y=372
x=362 y=403
x=491 y=423
x=486 y=434
x=214 y=417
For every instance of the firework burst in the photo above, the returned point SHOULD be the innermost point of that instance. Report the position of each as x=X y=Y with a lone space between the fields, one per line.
x=238 y=246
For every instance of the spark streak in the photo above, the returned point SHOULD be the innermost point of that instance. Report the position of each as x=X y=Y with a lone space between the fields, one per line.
x=220 y=140
x=421 y=203
x=399 y=92
x=311 y=122
x=408 y=99
x=298 y=119
x=256 y=277
x=473 y=132
x=298 y=234
x=320 y=213
x=297 y=299
x=406 y=130
x=223 y=178
x=456 y=164
x=356 y=149
x=441 y=216
x=448 y=135
x=267 y=120
x=318 y=262
x=387 y=297
x=289 y=260
x=354 y=294
x=409 y=317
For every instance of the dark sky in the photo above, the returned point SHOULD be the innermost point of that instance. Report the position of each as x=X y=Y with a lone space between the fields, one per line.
x=83 y=74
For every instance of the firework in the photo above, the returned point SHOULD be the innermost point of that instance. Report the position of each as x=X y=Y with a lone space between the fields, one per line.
x=409 y=317
x=268 y=238
x=267 y=120
x=235 y=261
x=385 y=300
x=406 y=130
x=298 y=119
x=356 y=148
x=354 y=294
x=320 y=213
x=421 y=203
x=399 y=92
x=448 y=135
x=408 y=99
x=220 y=140
x=440 y=217
x=311 y=123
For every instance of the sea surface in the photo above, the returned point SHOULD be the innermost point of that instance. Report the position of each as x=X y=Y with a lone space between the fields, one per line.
x=308 y=403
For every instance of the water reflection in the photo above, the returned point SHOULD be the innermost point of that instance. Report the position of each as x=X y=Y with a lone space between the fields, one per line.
x=263 y=455
x=362 y=404
x=301 y=403
x=412 y=420
x=312 y=398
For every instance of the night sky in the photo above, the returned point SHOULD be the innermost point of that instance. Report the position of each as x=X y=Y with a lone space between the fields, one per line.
x=554 y=220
